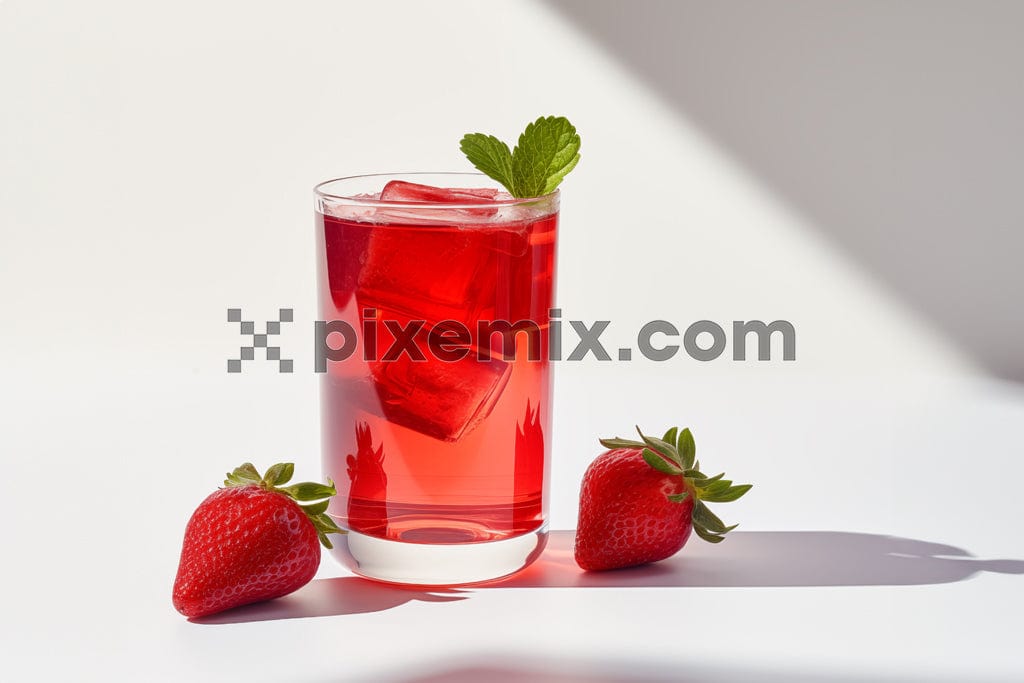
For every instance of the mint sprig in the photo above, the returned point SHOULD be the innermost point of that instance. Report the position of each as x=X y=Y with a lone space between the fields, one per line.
x=547 y=150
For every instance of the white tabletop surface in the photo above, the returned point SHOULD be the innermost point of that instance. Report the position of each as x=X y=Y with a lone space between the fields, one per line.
x=879 y=543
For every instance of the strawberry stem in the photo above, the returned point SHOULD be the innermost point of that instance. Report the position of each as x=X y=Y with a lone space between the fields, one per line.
x=675 y=454
x=312 y=497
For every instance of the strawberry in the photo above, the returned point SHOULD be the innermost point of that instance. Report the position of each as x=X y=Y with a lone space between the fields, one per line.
x=253 y=540
x=641 y=499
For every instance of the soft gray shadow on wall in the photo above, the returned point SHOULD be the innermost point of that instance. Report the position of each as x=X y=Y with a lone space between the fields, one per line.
x=897 y=128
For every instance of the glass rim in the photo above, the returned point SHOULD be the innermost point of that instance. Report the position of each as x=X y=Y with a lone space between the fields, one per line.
x=320 y=192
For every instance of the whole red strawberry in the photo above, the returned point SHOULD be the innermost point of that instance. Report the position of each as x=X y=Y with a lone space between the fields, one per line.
x=641 y=499
x=253 y=540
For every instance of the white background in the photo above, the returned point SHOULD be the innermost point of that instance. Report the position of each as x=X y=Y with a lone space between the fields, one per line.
x=852 y=168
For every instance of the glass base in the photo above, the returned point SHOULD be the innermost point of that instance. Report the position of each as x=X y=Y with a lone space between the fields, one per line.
x=430 y=564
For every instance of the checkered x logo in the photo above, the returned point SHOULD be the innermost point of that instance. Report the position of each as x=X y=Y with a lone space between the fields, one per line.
x=248 y=327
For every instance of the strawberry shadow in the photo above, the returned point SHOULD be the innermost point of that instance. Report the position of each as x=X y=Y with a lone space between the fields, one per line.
x=330 y=598
x=746 y=559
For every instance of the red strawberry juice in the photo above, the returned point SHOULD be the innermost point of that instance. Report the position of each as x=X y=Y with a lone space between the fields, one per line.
x=433 y=430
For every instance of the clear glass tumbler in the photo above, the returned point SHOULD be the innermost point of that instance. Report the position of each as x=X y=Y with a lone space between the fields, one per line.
x=436 y=381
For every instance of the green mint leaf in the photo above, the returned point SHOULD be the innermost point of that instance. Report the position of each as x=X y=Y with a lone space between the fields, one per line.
x=490 y=155
x=547 y=150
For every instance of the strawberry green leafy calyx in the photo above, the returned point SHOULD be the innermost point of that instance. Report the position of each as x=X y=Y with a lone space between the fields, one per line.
x=311 y=497
x=675 y=454
x=547 y=150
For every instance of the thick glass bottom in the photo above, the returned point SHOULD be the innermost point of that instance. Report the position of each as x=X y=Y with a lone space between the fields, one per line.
x=437 y=564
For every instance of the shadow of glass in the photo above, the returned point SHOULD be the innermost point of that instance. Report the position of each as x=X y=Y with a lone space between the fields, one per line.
x=751 y=559
x=747 y=559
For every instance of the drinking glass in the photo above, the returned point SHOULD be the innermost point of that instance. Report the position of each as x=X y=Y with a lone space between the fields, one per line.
x=436 y=381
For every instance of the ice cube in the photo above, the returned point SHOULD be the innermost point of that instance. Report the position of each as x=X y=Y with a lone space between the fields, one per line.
x=435 y=274
x=416 y=195
x=442 y=398
x=401 y=191
x=360 y=209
